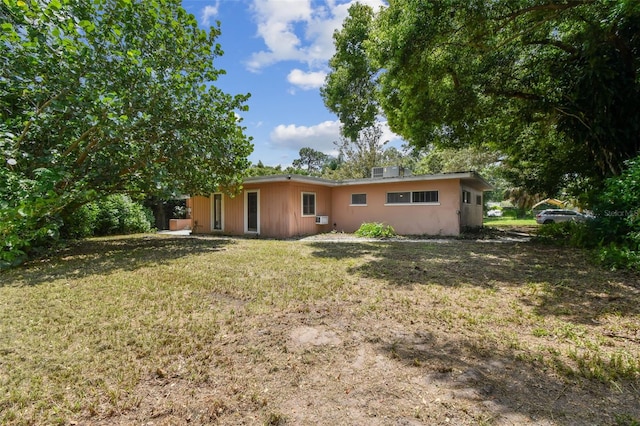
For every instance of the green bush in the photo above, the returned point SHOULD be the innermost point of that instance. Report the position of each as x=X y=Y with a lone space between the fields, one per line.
x=113 y=215
x=573 y=234
x=614 y=234
x=118 y=214
x=81 y=223
x=375 y=230
x=618 y=219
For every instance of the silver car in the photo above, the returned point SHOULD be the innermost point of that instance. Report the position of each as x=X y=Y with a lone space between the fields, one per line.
x=559 y=215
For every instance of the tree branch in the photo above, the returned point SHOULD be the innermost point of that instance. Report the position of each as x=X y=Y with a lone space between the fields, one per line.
x=556 y=43
x=38 y=111
x=516 y=94
x=76 y=143
x=551 y=7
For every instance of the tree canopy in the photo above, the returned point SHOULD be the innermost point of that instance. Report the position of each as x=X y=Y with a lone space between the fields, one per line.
x=312 y=161
x=553 y=86
x=102 y=96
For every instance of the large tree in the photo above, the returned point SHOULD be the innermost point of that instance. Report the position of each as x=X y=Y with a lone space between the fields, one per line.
x=101 y=96
x=553 y=85
x=311 y=161
x=349 y=87
x=357 y=157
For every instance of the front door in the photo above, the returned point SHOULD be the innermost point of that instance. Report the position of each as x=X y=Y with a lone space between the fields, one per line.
x=252 y=213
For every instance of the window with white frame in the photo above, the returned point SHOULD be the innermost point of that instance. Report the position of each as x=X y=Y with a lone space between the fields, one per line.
x=412 y=197
x=308 y=204
x=466 y=197
x=358 y=199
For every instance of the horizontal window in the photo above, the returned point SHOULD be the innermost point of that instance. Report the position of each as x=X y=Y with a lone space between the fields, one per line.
x=424 y=197
x=398 y=197
x=412 y=197
x=358 y=199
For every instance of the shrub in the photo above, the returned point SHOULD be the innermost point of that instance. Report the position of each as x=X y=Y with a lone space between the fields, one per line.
x=375 y=230
x=573 y=234
x=615 y=232
x=81 y=223
x=118 y=214
x=115 y=214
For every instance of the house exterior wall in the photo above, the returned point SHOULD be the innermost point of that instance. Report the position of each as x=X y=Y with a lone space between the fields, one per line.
x=280 y=210
x=201 y=214
x=470 y=213
x=413 y=219
x=280 y=207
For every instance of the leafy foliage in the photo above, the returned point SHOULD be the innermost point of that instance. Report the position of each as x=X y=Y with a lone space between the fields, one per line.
x=551 y=86
x=350 y=86
x=103 y=96
x=359 y=155
x=615 y=232
x=116 y=214
x=312 y=161
x=375 y=230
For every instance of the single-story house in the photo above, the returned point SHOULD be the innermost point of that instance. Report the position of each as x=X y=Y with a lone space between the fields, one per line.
x=284 y=206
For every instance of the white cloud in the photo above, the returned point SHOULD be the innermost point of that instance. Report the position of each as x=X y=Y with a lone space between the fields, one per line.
x=387 y=134
x=319 y=137
x=306 y=80
x=209 y=12
x=296 y=30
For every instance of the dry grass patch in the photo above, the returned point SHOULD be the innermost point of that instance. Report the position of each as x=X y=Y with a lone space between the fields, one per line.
x=210 y=330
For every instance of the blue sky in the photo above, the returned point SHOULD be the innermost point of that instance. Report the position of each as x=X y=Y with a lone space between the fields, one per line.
x=278 y=50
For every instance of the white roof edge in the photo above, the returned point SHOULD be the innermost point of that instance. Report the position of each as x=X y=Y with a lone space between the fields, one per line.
x=370 y=181
x=292 y=177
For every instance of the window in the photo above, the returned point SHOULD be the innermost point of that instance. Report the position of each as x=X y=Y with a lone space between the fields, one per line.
x=398 y=197
x=479 y=200
x=466 y=197
x=308 y=204
x=412 y=197
x=424 y=197
x=358 y=199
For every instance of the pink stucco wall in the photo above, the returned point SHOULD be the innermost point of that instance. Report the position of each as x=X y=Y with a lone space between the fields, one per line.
x=280 y=213
x=440 y=219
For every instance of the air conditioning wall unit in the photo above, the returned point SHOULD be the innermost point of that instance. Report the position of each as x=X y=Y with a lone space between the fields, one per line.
x=377 y=172
x=322 y=220
x=391 y=171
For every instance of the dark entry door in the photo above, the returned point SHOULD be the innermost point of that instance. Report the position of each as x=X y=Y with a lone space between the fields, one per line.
x=252 y=212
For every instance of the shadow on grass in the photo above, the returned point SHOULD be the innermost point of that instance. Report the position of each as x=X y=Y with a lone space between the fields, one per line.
x=105 y=255
x=558 y=281
x=519 y=391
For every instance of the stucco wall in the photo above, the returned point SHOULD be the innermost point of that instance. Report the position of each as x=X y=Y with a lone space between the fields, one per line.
x=280 y=208
x=416 y=219
x=471 y=213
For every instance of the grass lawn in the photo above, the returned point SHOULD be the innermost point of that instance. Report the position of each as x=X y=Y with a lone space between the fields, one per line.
x=508 y=222
x=179 y=330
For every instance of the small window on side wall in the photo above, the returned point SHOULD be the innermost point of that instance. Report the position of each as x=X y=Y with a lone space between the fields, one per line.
x=308 y=204
x=358 y=199
x=466 y=197
x=479 y=200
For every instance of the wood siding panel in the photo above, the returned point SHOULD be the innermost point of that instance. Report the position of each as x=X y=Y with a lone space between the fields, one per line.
x=201 y=214
x=233 y=214
x=306 y=225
